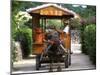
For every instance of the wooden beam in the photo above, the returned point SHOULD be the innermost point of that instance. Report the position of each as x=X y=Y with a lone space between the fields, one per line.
x=56 y=17
x=52 y=17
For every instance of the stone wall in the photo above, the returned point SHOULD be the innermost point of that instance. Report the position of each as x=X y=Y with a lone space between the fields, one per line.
x=18 y=51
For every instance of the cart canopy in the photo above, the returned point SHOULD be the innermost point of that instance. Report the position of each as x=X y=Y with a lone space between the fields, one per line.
x=48 y=10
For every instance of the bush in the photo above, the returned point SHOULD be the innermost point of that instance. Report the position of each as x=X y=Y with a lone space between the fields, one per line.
x=24 y=36
x=89 y=42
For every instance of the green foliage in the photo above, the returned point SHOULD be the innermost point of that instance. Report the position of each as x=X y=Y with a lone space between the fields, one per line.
x=21 y=32
x=23 y=5
x=25 y=38
x=54 y=22
x=83 y=12
x=89 y=42
x=17 y=20
x=75 y=24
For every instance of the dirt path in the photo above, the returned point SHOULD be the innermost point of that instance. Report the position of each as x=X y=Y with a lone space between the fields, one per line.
x=78 y=62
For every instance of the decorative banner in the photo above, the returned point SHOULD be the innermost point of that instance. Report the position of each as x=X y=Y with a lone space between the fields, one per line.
x=51 y=11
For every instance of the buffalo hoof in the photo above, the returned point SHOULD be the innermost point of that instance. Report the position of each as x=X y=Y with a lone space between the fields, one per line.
x=59 y=69
x=51 y=69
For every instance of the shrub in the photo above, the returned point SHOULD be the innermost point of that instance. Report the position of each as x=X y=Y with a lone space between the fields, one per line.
x=89 y=42
x=24 y=36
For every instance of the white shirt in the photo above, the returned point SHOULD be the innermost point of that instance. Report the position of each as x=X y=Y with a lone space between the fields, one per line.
x=66 y=29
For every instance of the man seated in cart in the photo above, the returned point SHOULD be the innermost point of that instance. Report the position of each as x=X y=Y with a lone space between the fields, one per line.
x=53 y=36
x=65 y=36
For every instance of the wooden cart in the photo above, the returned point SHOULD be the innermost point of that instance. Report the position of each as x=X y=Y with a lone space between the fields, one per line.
x=41 y=14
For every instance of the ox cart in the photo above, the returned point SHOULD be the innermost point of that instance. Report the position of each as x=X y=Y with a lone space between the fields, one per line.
x=40 y=15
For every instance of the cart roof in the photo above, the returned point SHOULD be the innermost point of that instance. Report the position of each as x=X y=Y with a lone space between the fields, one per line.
x=51 y=10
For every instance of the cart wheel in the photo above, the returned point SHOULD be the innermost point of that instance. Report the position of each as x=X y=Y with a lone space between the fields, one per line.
x=69 y=59
x=38 y=64
x=66 y=61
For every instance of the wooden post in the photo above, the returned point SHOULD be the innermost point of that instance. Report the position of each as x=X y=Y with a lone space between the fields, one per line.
x=35 y=21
